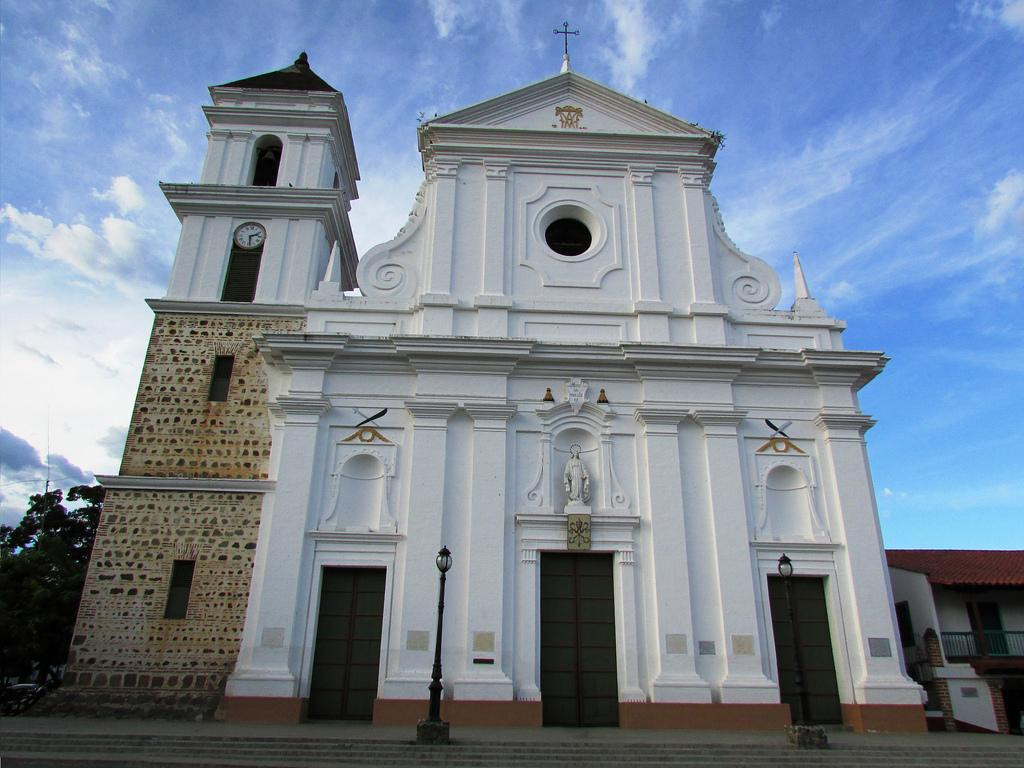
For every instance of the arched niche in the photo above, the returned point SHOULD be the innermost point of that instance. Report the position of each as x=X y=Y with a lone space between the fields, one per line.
x=788 y=504
x=359 y=489
x=589 y=425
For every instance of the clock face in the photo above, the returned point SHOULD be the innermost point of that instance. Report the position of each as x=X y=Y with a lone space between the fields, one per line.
x=250 y=235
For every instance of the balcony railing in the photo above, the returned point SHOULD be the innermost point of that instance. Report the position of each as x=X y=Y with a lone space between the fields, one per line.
x=965 y=645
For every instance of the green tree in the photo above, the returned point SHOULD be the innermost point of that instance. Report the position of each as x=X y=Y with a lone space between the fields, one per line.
x=43 y=561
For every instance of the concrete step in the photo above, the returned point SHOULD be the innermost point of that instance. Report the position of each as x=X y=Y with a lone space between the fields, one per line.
x=120 y=750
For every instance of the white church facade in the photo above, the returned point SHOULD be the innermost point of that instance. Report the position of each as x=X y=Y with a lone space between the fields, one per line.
x=577 y=366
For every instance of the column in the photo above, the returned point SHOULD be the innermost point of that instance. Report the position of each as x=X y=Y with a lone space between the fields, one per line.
x=673 y=666
x=527 y=623
x=744 y=680
x=864 y=582
x=485 y=561
x=273 y=638
x=414 y=603
x=626 y=640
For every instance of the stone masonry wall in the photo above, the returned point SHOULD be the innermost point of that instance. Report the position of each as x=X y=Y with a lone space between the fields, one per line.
x=126 y=658
x=175 y=430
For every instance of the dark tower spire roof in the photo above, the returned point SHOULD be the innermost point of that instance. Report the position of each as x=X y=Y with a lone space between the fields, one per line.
x=297 y=77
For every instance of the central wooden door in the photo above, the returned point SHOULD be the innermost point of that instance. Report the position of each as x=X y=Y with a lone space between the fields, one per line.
x=346 y=659
x=806 y=641
x=578 y=678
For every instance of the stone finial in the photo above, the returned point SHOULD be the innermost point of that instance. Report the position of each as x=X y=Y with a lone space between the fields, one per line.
x=803 y=302
x=303 y=61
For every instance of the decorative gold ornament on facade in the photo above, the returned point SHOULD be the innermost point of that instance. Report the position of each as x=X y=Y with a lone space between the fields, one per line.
x=569 y=117
x=366 y=435
x=779 y=445
x=577 y=532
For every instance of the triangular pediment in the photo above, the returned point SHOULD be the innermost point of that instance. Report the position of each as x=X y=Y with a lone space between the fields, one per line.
x=570 y=101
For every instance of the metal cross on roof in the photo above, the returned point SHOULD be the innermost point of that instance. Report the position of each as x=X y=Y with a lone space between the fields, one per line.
x=565 y=32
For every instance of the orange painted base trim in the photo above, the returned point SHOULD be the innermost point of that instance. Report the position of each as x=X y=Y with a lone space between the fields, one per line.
x=703 y=717
x=480 y=713
x=262 y=709
x=892 y=718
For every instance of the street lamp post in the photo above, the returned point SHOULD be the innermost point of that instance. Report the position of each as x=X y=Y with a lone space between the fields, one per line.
x=434 y=730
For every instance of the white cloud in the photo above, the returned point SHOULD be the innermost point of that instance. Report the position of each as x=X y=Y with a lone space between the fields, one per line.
x=111 y=256
x=446 y=15
x=80 y=60
x=124 y=193
x=1005 y=204
x=634 y=37
x=1009 y=13
x=770 y=17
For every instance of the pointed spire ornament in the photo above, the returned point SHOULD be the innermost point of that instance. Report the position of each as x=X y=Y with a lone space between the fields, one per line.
x=803 y=302
x=799 y=282
x=332 y=275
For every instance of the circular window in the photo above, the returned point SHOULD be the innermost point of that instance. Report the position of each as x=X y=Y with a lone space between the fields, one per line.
x=569 y=237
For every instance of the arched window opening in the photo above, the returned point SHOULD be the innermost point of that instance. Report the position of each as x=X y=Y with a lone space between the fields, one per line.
x=268 y=161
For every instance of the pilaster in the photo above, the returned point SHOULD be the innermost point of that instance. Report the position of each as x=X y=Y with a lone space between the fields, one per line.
x=415 y=602
x=744 y=680
x=708 y=315
x=672 y=663
x=268 y=661
x=864 y=583
x=485 y=558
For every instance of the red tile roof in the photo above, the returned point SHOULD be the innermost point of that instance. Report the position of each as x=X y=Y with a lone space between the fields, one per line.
x=963 y=567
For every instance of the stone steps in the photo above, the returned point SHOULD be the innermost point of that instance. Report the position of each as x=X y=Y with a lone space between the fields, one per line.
x=35 y=750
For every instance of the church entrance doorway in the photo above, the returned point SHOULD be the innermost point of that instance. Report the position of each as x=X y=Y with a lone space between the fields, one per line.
x=578 y=677
x=806 y=641
x=346 y=658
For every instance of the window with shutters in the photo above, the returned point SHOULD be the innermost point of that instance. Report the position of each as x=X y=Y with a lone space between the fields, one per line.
x=221 y=379
x=243 y=272
x=181 y=585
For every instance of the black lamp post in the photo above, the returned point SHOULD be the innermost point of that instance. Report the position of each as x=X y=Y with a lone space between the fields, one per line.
x=786 y=572
x=434 y=730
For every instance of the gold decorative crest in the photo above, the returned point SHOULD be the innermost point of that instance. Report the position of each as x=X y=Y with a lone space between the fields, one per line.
x=779 y=445
x=568 y=116
x=366 y=435
x=577 y=531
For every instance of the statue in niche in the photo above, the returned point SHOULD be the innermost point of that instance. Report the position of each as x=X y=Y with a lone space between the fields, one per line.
x=576 y=477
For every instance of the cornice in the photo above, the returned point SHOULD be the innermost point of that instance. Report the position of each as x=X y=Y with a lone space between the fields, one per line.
x=306 y=409
x=179 y=306
x=301 y=350
x=208 y=484
x=462 y=353
x=431 y=412
x=357 y=537
x=660 y=415
x=688 y=362
x=724 y=417
x=327 y=205
x=843 y=367
x=490 y=411
x=834 y=422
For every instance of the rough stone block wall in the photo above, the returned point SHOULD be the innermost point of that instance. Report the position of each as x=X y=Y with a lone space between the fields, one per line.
x=122 y=641
x=175 y=430
x=126 y=658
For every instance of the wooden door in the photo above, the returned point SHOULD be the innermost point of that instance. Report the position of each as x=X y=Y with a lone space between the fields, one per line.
x=579 y=682
x=813 y=648
x=346 y=658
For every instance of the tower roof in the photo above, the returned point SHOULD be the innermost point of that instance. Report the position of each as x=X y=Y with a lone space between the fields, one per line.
x=297 y=77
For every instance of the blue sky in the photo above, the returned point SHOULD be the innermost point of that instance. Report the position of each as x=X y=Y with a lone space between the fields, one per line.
x=883 y=140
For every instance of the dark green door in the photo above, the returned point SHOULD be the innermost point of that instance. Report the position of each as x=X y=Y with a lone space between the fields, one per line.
x=813 y=648
x=347 y=653
x=578 y=679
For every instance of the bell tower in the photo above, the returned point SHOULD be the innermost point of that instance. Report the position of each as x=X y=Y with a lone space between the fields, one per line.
x=265 y=222
x=274 y=194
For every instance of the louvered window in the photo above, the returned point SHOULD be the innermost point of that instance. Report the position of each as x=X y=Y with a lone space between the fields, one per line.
x=243 y=272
